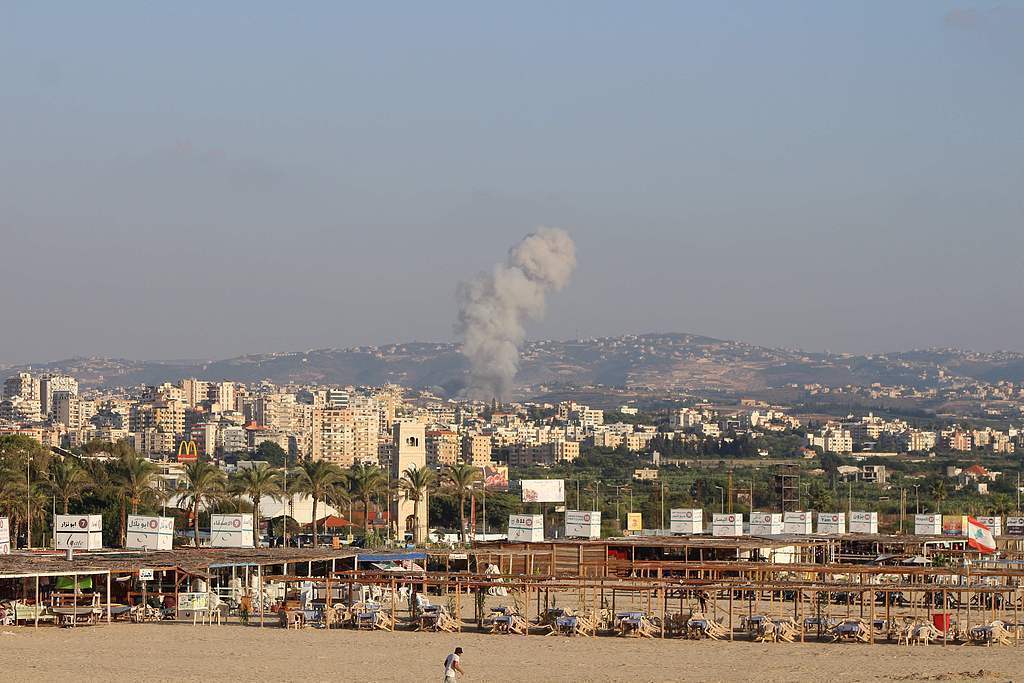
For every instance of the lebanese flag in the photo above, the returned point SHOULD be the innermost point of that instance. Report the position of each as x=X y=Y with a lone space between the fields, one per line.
x=980 y=536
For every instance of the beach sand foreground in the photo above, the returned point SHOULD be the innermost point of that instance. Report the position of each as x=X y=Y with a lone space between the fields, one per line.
x=182 y=652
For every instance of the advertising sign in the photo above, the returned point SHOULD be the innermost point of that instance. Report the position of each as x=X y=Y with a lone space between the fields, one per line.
x=231 y=531
x=145 y=574
x=80 y=532
x=765 y=524
x=526 y=528
x=149 y=533
x=495 y=477
x=188 y=451
x=863 y=522
x=994 y=524
x=193 y=602
x=634 y=521
x=686 y=521
x=727 y=524
x=543 y=490
x=1015 y=526
x=953 y=525
x=797 y=523
x=928 y=525
x=831 y=522
x=582 y=524
x=5 y=536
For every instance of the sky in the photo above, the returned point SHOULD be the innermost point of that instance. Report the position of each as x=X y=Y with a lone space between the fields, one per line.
x=203 y=180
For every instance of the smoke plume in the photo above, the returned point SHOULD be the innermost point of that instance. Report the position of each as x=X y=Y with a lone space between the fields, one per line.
x=493 y=307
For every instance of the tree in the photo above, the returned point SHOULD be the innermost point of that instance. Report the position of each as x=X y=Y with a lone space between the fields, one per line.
x=365 y=482
x=68 y=480
x=415 y=483
x=254 y=483
x=1001 y=504
x=203 y=485
x=819 y=498
x=135 y=480
x=315 y=478
x=461 y=478
x=271 y=452
x=939 y=493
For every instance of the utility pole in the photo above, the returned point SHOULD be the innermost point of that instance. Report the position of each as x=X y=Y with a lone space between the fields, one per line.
x=662 y=505
x=721 y=491
x=903 y=506
x=849 y=503
x=28 y=501
x=917 y=498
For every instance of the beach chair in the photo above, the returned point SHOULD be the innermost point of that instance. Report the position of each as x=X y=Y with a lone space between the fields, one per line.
x=994 y=632
x=851 y=630
x=925 y=633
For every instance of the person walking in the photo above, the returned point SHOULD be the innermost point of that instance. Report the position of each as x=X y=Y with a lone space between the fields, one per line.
x=453 y=666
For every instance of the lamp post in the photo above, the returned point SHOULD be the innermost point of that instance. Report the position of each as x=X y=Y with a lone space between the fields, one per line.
x=721 y=491
x=917 y=498
x=663 y=505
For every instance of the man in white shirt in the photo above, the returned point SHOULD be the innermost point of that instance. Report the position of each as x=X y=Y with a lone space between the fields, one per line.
x=452 y=665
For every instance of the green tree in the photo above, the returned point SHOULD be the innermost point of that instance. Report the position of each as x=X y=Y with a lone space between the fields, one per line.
x=460 y=478
x=366 y=481
x=272 y=453
x=415 y=484
x=316 y=478
x=254 y=483
x=819 y=498
x=136 y=481
x=203 y=485
x=68 y=480
x=939 y=493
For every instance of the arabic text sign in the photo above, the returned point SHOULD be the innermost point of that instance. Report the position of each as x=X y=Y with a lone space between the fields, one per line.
x=543 y=490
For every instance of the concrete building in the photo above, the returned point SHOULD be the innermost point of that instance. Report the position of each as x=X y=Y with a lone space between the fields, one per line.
x=476 y=449
x=48 y=384
x=443 y=449
x=22 y=385
x=409 y=451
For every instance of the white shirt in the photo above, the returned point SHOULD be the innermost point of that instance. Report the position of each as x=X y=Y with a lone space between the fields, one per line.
x=449 y=664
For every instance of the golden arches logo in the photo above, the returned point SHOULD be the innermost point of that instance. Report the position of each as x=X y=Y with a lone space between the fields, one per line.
x=187 y=450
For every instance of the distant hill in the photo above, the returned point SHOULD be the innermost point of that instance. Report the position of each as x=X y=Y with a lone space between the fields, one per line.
x=658 y=361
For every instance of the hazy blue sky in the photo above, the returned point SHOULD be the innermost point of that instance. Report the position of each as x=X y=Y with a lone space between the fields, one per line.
x=208 y=179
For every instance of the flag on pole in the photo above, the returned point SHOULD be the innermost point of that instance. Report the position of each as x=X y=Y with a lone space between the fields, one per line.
x=980 y=536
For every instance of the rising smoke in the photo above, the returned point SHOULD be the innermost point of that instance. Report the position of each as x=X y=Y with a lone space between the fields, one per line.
x=493 y=307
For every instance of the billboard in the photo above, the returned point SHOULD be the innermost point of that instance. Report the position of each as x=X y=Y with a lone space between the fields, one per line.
x=953 y=525
x=863 y=522
x=526 y=528
x=149 y=533
x=5 y=536
x=188 y=451
x=634 y=521
x=797 y=523
x=726 y=524
x=765 y=524
x=994 y=524
x=928 y=525
x=582 y=524
x=1015 y=526
x=686 y=521
x=80 y=532
x=495 y=477
x=231 y=531
x=543 y=490
x=831 y=522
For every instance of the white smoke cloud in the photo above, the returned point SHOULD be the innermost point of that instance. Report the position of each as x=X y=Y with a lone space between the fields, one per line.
x=494 y=307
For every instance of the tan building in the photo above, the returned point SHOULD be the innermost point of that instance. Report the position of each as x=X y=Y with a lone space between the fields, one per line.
x=48 y=384
x=443 y=448
x=71 y=410
x=409 y=451
x=476 y=450
x=22 y=385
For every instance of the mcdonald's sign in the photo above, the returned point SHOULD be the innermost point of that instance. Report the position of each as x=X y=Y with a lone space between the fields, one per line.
x=188 y=451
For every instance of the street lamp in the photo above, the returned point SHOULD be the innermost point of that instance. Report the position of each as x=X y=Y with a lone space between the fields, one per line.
x=917 y=498
x=722 y=491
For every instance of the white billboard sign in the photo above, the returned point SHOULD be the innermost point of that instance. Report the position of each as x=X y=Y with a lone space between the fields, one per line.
x=149 y=533
x=79 y=532
x=582 y=524
x=231 y=531
x=526 y=528
x=1015 y=526
x=928 y=525
x=797 y=523
x=863 y=522
x=831 y=522
x=727 y=524
x=543 y=490
x=5 y=536
x=686 y=521
x=765 y=524
x=994 y=524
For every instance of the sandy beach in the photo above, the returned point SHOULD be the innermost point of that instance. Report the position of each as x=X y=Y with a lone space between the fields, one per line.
x=180 y=652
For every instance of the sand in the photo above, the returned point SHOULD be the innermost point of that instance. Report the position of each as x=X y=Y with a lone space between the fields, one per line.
x=180 y=652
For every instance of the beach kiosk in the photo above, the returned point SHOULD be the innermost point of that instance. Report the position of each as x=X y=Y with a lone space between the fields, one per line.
x=78 y=532
x=526 y=528
x=231 y=531
x=863 y=522
x=686 y=521
x=149 y=533
x=831 y=522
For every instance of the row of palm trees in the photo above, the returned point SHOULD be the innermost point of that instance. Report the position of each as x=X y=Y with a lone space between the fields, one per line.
x=130 y=481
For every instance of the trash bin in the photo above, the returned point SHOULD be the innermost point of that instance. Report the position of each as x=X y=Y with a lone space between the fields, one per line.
x=941 y=621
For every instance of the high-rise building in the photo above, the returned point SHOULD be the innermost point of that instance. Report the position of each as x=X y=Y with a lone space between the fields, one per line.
x=23 y=385
x=51 y=383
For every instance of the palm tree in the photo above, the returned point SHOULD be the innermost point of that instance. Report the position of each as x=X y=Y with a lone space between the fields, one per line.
x=136 y=481
x=819 y=498
x=339 y=497
x=203 y=485
x=366 y=482
x=461 y=477
x=939 y=493
x=316 y=478
x=415 y=483
x=1001 y=504
x=67 y=480
x=254 y=483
